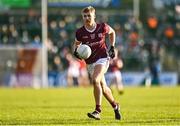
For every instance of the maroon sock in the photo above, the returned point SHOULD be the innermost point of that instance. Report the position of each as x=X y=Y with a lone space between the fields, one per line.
x=98 y=108
x=113 y=104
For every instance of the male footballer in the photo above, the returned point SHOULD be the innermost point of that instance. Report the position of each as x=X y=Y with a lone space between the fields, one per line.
x=93 y=34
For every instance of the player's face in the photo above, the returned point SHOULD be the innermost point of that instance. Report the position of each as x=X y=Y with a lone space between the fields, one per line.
x=88 y=18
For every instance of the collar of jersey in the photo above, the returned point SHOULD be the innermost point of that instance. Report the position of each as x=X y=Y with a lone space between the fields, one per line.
x=92 y=29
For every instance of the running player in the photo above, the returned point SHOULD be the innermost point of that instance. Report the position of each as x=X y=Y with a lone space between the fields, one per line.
x=93 y=34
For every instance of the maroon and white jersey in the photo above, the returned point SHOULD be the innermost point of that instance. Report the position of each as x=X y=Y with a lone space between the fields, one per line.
x=94 y=39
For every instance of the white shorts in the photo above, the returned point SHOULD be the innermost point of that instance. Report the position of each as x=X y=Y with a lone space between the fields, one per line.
x=102 y=61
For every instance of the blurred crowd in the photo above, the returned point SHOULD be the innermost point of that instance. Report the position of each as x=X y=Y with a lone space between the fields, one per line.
x=143 y=45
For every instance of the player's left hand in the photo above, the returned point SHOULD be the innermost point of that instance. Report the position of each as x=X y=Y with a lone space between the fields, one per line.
x=112 y=52
x=76 y=54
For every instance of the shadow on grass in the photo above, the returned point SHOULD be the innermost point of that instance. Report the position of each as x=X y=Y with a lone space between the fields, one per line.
x=50 y=122
x=87 y=121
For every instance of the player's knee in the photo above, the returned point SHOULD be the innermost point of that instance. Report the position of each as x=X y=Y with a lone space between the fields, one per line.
x=96 y=81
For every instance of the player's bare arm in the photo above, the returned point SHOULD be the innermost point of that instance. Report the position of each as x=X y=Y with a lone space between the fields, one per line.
x=112 y=36
x=76 y=43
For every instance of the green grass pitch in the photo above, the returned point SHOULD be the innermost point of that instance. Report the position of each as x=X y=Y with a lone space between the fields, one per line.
x=68 y=106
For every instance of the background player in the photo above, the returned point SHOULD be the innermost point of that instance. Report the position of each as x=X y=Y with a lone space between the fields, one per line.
x=114 y=73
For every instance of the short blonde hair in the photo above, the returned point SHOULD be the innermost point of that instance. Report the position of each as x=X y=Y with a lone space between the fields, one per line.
x=88 y=9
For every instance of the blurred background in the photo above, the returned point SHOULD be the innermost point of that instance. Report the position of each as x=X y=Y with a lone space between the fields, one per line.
x=36 y=41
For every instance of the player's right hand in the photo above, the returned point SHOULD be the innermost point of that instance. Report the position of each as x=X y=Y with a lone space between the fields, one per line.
x=76 y=54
